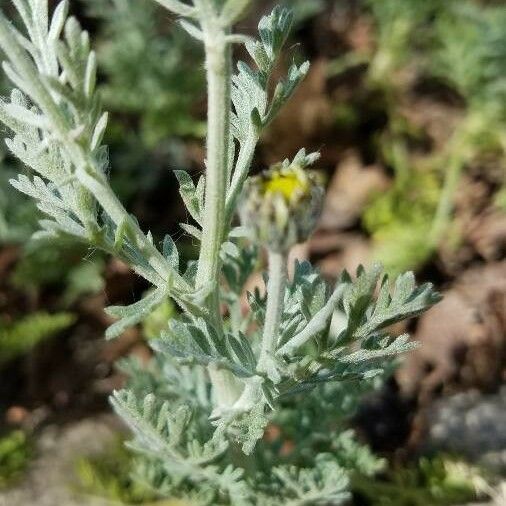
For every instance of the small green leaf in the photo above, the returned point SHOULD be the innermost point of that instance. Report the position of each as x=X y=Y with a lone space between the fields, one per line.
x=189 y=194
x=133 y=314
x=170 y=252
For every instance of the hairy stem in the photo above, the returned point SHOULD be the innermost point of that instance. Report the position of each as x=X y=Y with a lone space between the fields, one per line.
x=218 y=76
x=275 y=303
x=219 y=70
x=316 y=325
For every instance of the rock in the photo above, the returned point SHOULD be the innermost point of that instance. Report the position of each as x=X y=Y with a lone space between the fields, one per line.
x=50 y=478
x=469 y=424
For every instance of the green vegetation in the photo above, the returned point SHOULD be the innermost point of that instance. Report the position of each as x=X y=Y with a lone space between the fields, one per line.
x=19 y=337
x=462 y=45
x=220 y=379
x=58 y=263
x=153 y=87
x=152 y=81
x=108 y=475
x=442 y=480
x=15 y=455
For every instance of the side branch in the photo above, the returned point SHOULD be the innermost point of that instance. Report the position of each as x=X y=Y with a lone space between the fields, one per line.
x=317 y=324
x=274 y=311
x=178 y=8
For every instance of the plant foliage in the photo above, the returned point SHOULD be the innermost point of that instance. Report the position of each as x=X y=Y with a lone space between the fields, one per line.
x=220 y=379
x=21 y=336
x=440 y=480
x=457 y=46
x=149 y=70
x=15 y=455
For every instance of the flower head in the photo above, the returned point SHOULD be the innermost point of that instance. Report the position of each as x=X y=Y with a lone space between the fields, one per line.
x=281 y=206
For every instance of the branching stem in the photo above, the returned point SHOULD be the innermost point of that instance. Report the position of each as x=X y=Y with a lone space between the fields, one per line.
x=316 y=325
x=219 y=69
x=275 y=304
x=218 y=63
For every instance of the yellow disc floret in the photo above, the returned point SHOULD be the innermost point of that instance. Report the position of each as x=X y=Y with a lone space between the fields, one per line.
x=288 y=184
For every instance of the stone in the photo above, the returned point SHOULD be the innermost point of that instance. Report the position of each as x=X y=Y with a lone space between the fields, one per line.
x=49 y=480
x=470 y=424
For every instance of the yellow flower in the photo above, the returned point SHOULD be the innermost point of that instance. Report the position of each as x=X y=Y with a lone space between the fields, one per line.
x=281 y=206
x=290 y=185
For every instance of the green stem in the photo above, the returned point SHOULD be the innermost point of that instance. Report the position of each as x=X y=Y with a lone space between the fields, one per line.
x=219 y=69
x=275 y=303
x=276 y=285
x=446 y=200
x=218 y=62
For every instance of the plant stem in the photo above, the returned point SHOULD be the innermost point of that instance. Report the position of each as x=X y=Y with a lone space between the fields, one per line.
x=219 y=68
x=275 y=303
x=276 y=285
x=445 y=205
x=218 y=62
x=317 y=324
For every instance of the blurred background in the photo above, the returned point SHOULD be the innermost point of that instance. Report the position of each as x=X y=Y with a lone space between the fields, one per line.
x=406 y=100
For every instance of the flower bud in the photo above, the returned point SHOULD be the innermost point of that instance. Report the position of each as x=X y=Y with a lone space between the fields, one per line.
x=281 y=206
